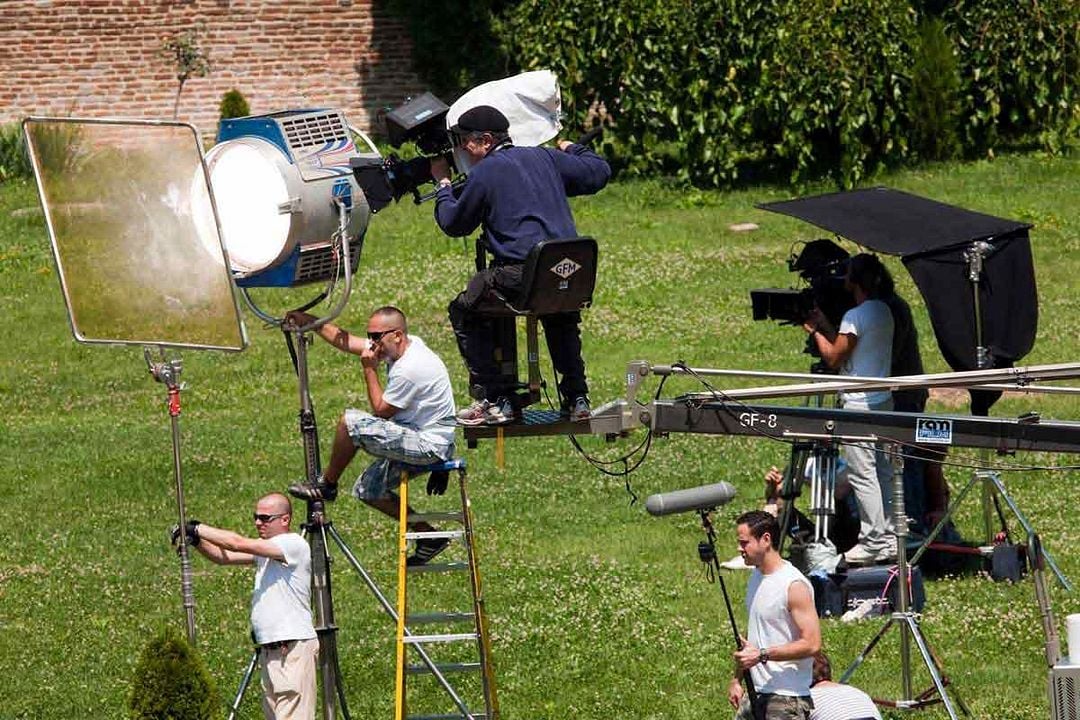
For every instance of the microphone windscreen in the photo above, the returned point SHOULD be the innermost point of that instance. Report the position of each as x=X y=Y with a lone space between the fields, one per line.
x=690 y=499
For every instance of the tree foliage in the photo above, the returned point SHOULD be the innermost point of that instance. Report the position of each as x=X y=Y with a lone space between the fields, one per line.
x=721 y=91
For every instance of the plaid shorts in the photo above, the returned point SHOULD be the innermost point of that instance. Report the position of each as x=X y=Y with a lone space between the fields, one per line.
x=397 y=448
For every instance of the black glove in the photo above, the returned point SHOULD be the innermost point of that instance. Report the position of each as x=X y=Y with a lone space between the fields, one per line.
x=191 y=530
x=437 y=480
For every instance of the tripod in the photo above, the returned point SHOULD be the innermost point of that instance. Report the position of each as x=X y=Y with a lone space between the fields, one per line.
x=824 y=457
x=906 y=622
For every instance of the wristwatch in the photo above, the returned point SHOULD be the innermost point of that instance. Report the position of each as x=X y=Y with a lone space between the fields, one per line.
x=763 y=656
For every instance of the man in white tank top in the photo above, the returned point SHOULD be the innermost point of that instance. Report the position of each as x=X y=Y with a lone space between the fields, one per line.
x=783 y=625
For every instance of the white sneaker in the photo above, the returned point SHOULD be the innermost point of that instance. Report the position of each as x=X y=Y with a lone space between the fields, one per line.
x=735 y=563
x=859 y=554
x=862 y=555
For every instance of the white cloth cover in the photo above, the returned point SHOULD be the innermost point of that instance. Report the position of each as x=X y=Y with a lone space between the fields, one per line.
x=530 y=101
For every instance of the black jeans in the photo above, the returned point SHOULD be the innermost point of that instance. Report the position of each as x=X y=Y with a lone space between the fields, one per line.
x=475 y=331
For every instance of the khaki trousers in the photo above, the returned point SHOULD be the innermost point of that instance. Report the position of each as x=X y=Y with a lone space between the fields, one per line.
x=288 y=680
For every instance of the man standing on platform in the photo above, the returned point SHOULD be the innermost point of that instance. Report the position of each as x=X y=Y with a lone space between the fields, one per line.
x=783 y=632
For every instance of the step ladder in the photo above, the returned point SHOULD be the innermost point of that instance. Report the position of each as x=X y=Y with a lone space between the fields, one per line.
x=462 y=627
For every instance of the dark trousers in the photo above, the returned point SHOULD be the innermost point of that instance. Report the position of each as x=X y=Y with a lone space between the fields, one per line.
x=476 y=334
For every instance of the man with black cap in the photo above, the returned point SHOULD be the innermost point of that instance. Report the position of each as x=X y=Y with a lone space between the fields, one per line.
x=518 y=196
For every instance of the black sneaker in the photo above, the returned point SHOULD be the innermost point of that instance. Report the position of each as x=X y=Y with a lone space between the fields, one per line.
x=426 y=549
x=321 y=490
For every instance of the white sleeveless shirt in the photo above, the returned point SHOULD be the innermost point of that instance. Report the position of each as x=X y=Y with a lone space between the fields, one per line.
x=771 y=625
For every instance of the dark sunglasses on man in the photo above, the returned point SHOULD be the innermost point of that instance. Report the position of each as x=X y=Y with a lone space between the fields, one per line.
x=378 y=336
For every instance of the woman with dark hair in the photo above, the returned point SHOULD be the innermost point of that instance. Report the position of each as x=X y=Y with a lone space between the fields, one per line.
x=862 y=347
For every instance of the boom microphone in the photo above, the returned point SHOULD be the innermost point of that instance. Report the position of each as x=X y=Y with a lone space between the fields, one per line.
x=693 y=499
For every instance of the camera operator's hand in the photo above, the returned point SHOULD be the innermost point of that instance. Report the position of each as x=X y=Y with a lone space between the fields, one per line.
x=440 y=170
x=814 y=320
x=564 y=144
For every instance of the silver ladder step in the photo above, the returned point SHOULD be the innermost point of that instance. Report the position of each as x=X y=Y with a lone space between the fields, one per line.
x=446 y=637
x=449 y=716
x=457 y=516
x=436 y=617
x=439 y=567
x=421 y=669
x=435 y=535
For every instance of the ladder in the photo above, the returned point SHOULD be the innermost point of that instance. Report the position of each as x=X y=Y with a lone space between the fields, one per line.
x=457 y=629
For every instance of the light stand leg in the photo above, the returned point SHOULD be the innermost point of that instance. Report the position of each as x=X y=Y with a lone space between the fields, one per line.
x=321 y=589
x=248 y=674
x=903 y=618
x=999 y=487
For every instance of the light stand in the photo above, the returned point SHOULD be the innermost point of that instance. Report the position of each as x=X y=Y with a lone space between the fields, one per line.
x=317 y=526
x=906 y=621
x=993 y=487
x=167 y=372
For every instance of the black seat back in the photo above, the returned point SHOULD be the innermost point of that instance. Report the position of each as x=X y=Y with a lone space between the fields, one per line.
x=558 y=276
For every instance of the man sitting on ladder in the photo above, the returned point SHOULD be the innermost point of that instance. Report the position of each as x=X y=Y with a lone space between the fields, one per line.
x=404 y=427
x=519 y=196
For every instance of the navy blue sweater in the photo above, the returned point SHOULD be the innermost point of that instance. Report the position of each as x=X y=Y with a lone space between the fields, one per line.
x=518 y=195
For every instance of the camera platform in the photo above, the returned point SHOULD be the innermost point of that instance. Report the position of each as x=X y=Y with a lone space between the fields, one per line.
x=533 y=423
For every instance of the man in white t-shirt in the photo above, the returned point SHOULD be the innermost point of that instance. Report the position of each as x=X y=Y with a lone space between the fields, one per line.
x=404 y=428
x=834 y=701
x=280 y=605
x=863 y=347
x=783 y=630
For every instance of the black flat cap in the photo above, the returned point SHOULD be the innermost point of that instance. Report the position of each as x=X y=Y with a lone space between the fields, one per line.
x=482 y=118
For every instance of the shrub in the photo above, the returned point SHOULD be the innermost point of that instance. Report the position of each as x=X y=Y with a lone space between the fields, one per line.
x=711 y=90
x=935 y=94
x=233 y=105
x=1019 y=60
x=14 y=159
x=171 y=682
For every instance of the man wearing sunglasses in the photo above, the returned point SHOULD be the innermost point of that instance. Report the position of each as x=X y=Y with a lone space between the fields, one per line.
x=518 y=196
x=280 y=605
x=403 y=429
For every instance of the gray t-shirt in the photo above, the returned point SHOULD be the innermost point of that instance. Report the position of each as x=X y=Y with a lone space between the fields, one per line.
x=418 y=384
x=872 y=323
x=281 y=603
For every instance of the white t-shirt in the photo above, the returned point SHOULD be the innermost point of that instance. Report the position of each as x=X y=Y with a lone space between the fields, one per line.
x=418 y=384
x=872 y=323
x=281 y=603
x=833 y=701
x=770 y=625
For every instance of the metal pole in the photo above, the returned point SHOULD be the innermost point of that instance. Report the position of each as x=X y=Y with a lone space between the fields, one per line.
x=900 y=529
x=168 y=372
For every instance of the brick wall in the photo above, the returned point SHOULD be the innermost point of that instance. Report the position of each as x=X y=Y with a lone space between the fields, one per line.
x=102 y=58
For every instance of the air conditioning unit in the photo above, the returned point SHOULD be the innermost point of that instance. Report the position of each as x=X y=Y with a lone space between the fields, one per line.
x=1065 y=692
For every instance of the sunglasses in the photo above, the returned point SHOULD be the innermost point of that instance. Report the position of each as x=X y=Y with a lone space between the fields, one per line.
x=264 y=518
x=378 y=336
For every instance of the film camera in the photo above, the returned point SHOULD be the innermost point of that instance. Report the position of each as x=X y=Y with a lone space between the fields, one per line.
x=420 y=121
x=822 y=265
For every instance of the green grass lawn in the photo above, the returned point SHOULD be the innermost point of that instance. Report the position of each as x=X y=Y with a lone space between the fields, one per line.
x=597 y=609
